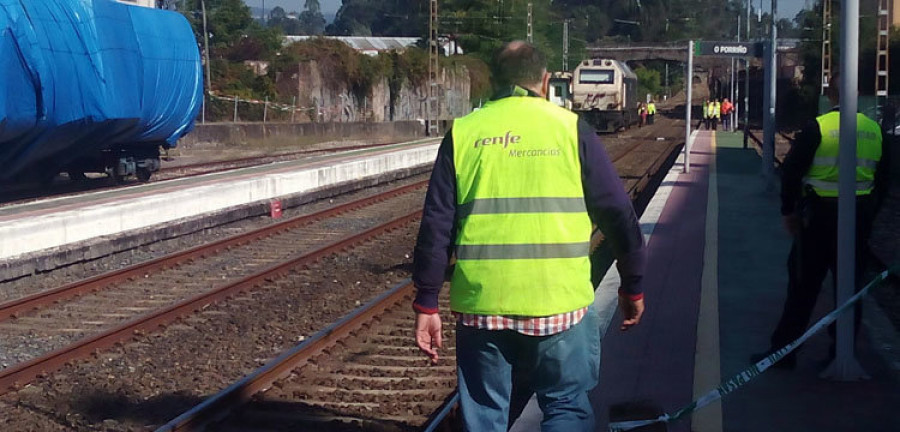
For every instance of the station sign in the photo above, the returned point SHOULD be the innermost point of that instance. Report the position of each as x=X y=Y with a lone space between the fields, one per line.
x=728 y=49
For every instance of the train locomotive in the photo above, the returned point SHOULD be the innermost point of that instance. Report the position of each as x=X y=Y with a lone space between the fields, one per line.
x=604 y=94
x=93 y=86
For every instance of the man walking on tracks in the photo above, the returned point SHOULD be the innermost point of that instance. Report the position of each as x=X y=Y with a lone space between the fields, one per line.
x=809 y=192
x=514 y=192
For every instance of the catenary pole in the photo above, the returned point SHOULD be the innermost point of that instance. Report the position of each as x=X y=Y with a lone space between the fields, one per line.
x=768 y=153
x=206 y=54
x=529 y=36
x=845 y=367
x=735 y=63
x=565 y=45
x=747 y=85
x=688 y=82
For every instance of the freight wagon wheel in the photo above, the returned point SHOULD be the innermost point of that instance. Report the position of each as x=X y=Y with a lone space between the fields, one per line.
x=117 y=178
x=143 y=174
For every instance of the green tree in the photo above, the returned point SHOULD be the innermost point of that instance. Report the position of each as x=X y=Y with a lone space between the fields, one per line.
x=648 y=82
x=235 y=37
x=279 y=18
x=381 y=18
x=311 y=21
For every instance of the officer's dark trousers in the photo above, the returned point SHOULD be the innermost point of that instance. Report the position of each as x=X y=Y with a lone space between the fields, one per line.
x=812 y=255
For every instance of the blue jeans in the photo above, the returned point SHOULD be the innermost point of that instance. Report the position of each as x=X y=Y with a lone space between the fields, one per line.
x=561 y=370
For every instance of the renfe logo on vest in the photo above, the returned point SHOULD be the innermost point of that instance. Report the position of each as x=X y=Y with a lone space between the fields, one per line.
x=500 y=140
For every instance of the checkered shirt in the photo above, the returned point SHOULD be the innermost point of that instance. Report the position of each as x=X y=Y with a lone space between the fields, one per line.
x=530 y=326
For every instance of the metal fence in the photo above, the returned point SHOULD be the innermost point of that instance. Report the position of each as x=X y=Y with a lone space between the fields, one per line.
x=222 y=108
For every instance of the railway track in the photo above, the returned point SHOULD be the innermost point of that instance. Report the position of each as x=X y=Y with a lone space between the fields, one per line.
x=334 y=384
x=60 y=317
x=172 y=364
x=361 y=373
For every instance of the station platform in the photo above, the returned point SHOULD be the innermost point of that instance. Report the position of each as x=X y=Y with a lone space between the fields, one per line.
x=715 y=286
x=35 y=227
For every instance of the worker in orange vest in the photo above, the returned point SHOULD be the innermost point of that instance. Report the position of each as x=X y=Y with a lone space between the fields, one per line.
x=727 y=109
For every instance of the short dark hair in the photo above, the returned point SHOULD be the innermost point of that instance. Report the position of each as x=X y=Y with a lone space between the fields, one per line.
x=519 y=63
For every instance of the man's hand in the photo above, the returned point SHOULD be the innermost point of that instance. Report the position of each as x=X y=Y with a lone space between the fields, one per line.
x=633 y=310
x=791 y=223
x=428 y=335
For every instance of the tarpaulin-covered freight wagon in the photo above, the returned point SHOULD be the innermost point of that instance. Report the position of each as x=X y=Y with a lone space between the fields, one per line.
x=93 y=86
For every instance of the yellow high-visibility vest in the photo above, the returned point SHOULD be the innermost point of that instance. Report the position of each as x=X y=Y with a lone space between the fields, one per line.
x=823 y=173
x=523 y=235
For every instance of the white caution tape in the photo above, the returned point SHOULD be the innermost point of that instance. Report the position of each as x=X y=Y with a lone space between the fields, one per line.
x=753 y=371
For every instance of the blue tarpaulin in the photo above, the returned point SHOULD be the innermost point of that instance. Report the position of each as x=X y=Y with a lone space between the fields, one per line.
x=79 y=76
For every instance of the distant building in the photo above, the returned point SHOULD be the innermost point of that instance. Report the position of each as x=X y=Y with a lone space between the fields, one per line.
x=144 y=3
x=374 y=45
x=366 y=45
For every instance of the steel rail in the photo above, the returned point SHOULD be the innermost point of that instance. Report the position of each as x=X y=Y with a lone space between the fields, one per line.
x=442 y=414
x=631 y=148
x=652 y=171
x=26 y=372
x=25 y=304
x=219 y=405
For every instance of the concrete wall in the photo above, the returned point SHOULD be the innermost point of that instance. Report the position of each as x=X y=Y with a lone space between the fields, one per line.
x=77 y=230
x=233 y=133
x=83 y=251
x=322 y=102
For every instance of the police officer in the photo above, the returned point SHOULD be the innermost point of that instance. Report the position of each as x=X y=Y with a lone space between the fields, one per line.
x=716 y=113
x=514 y=192
x=706 y=111
x=651 y=111
x=809 y=193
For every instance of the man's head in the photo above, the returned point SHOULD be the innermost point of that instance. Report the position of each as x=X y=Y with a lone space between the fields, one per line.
x=521 y=64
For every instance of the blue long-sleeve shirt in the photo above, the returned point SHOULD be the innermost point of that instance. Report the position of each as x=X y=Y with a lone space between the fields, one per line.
x=608 y=206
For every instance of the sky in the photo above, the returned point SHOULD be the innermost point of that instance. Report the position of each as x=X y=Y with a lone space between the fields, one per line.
x=786 y=8
x=329 y=7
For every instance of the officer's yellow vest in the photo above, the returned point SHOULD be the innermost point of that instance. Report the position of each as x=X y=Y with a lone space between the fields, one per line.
x=716 y=109
x=823 y=173
x=651 y=108
x=523 y=234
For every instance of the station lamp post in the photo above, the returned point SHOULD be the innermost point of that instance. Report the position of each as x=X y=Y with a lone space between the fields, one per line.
x=845 y=367
x=768 y=156
x=208 y=86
